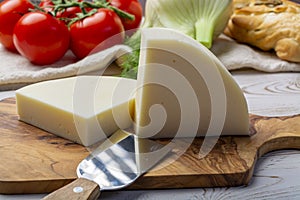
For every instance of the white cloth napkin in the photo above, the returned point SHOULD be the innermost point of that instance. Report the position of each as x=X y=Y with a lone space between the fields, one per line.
x=236 y=56
x=16 y=71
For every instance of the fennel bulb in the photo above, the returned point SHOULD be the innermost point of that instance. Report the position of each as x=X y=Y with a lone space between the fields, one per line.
x=202 y=20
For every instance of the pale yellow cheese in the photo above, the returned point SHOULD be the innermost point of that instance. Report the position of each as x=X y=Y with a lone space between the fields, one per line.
x=84 y=109
x=184 y=90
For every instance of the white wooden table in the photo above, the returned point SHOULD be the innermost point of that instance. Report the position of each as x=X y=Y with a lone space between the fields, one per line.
x=277 y=174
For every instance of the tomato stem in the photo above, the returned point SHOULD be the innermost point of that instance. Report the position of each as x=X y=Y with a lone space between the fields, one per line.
x=102 y=4
x=64 y=4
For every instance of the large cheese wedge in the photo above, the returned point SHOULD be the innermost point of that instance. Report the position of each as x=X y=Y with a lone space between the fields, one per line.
x=184 y=90
x=84 y=109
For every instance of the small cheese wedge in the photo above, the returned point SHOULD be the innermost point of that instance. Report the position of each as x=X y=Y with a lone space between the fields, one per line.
x=84 y=109
x=184 y=90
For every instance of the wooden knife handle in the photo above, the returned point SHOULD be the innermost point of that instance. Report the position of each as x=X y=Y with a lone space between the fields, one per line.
x=80 y=189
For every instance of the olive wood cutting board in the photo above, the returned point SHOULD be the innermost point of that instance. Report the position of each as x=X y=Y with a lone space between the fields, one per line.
x=35 y=161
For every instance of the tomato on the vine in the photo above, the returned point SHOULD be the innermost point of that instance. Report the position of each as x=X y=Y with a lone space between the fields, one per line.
x=99 y=31
x=133 y=7
x=10 y=12
x=41 y=38
x=47 y=5
x=67 y=13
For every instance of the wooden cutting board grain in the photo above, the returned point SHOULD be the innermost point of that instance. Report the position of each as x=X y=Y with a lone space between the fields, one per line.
x=34 y=161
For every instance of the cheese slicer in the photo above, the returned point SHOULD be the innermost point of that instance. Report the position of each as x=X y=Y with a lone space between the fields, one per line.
x=115 y=164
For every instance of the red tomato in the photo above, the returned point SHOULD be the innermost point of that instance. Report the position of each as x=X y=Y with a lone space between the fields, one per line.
x=47 y=5
x=133 y=7
x=69 y=13
x=10 y=12
x=96 y=32
x=64 y=14
x=41 y=38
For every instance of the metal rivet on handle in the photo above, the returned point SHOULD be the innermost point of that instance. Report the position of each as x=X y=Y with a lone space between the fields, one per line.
x=78 y=189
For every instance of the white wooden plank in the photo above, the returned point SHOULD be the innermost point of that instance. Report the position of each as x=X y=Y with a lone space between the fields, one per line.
x=276 y=94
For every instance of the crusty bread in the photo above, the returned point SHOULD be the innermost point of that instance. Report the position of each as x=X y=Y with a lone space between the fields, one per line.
x=267 y=24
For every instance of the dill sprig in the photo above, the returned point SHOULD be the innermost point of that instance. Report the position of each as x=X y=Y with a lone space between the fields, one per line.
x=129 y=62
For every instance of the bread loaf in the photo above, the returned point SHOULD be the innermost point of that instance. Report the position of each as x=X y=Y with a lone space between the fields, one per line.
x=268 y=25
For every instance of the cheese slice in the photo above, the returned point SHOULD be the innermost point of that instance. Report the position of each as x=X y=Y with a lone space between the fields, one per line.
x=84 y=109
x=184 y=90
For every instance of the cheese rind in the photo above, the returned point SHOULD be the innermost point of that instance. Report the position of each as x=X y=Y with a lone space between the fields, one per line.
x=184 y=90
x=83 y=109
